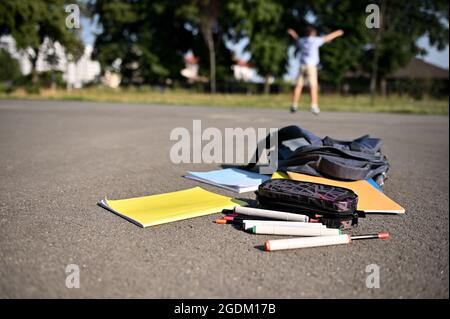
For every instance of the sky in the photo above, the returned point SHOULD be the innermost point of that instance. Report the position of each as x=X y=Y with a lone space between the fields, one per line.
x=439 y=58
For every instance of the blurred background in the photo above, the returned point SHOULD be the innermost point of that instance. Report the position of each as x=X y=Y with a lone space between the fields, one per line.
x=225 y=53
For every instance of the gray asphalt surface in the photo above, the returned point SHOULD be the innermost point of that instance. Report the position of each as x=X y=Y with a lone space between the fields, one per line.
x=58 y=159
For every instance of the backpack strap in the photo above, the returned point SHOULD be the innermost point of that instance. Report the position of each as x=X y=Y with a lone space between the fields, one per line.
x=338 y=169
x=330 y=150
x=286 y=133
x=355 y=145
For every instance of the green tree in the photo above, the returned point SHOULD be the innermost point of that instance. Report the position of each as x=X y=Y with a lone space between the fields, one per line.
x=9 y=66
x=262 y=23
x=30 y=22
x=203 y=15
x=338 y=57
x=378 y=51
x=150 y=37
x=394 y=44
x=145 y=35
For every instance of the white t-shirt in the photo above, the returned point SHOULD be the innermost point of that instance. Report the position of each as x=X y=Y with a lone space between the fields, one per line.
x=309 y=50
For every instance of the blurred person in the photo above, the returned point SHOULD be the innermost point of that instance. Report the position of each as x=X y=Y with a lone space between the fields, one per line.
x=309 y=60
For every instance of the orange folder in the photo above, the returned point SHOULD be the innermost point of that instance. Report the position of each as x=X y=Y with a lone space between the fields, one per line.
x=370 y=199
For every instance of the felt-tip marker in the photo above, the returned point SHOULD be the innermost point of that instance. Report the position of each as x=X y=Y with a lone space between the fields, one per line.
x=244 y=217
x=307 y=242
x=247 y=224
x=222 y=221
x=250 y=223
x=294 y=231
x=270 y=214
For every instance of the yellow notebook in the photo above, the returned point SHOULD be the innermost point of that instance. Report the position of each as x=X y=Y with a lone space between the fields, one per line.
x=165 y=208
x=370 y=199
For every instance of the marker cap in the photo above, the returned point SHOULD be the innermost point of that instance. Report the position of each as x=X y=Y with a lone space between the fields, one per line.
x=383 y=235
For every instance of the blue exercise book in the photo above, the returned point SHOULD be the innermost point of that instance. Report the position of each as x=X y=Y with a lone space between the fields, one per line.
x=233 y=179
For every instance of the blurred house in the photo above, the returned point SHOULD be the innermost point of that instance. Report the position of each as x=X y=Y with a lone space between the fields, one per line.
x=191 y=69
x=83 y=71
x=417 y=78
x=52 y=57
x=111 y=79
x=9 y=44
x=242 y=71
x=419 y=69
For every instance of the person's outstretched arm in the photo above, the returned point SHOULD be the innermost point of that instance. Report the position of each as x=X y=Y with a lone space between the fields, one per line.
x=333 y=35
x=293 y=34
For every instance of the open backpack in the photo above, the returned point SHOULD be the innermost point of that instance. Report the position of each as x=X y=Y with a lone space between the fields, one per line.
x=301 y=151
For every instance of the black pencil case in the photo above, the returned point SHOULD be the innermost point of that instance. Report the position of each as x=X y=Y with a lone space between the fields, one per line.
x=308 y=198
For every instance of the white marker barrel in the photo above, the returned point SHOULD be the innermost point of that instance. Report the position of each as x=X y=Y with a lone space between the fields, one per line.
x=306 y=242
x=294 y=231
x=250 y=223
x=271 y=214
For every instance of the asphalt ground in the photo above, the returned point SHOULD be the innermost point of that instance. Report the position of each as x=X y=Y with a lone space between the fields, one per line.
x=58 y=159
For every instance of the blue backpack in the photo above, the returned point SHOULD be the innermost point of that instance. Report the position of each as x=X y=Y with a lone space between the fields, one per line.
x=303 y=152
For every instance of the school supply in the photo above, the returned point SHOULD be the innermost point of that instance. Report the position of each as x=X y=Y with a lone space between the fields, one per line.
x=164 y=208
x=370 y=199
x=294 y=231
x=271 y=214
x=279 y=174
x=335 y=207
x=356 y=159
x=244 y=217
x=250 y=223
x=297 y=196
x=233 y=179
x=307 y=242
x=247 y=224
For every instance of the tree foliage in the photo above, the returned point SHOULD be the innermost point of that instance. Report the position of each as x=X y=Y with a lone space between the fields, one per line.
x=10 y=69
x=346 y=53
x=262 y=23
x=150 y=37
x=403 y=23
x=30 y=22
x=144 y=35
x=158 y=33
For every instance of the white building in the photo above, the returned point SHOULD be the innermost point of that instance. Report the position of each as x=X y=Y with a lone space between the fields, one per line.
x=242 y=71
x=74 y=73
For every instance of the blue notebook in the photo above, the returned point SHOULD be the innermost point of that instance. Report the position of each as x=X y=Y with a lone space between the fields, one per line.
x=233 y=179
